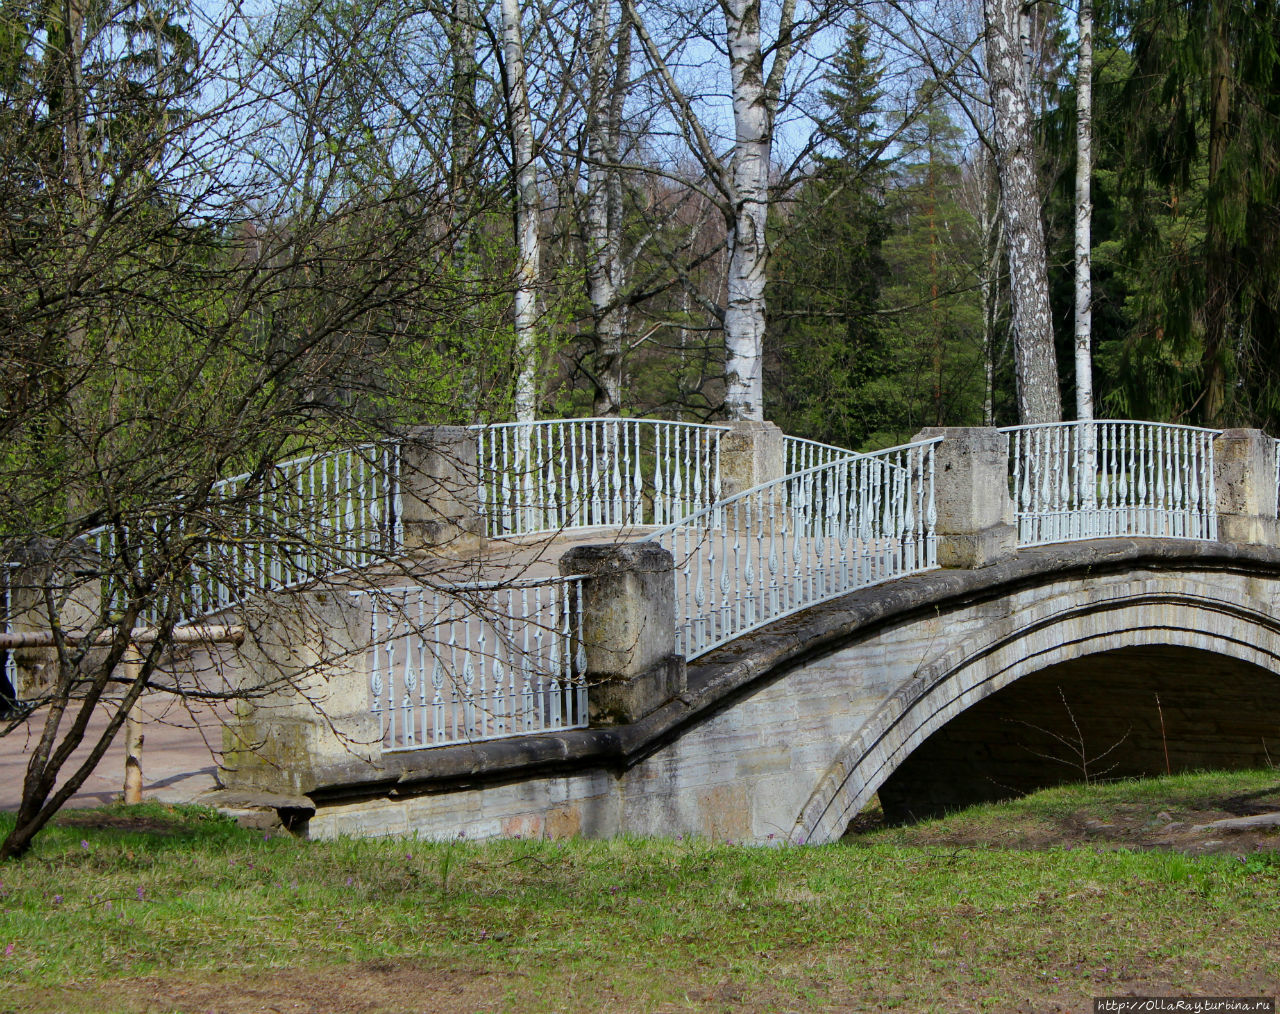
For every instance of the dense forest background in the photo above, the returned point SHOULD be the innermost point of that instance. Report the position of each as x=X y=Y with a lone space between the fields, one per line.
x=332 y=203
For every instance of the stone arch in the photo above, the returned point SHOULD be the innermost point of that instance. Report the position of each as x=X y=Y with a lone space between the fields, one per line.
x=1222 y=613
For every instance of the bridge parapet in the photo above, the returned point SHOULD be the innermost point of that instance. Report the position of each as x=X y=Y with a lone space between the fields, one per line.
x=1245 y=465
x=619 y=624
x=975 y=511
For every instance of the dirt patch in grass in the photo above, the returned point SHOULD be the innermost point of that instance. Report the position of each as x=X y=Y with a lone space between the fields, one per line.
x=369 y=988
x=1175 y=824
x=98 y=820
x=383 y=987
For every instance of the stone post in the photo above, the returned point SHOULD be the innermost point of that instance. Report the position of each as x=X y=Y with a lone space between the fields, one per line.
x=751 y=453
x=627 y=607
x=301 y=717
x=71 y=575
x=975 y=511
x=1244 y=477
x=439 y=479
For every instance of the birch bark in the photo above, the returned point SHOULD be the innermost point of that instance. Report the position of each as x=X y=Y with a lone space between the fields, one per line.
x=528 y=246
x=1035 y=364
x=1084 y=212
x=610 y=75
x=748 y=247
x=742 y=186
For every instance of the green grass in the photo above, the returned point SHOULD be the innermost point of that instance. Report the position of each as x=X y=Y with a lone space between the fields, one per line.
x=647 y=925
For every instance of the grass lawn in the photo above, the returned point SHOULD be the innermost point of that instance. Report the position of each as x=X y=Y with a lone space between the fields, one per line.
x=157 y=909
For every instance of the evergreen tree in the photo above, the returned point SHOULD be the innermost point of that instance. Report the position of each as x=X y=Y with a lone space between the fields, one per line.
x=825 y=352
x=1202 y=187
x=934 y=258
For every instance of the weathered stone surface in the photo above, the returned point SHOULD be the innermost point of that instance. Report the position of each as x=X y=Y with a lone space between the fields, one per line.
x=69 y=574
x=439 y=481
x=751 y=453
x=971 y=494
x=302 y=716
x=786 y=732
x=1244 y=476
x=628 y=628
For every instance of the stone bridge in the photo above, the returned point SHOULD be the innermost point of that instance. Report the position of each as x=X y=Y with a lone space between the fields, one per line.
x=1021 y=661
x=969 y=617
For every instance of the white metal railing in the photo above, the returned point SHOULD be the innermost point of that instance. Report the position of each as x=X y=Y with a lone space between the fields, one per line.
x=1081 y=480
x=1276 y=449
x=310 y=516
x=475 y=662
x=567 y=473
x=808 y=537
x=802 y=454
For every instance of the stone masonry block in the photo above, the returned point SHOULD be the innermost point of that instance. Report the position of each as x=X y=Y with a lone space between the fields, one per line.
x=439 y=484
x=627 y=606
x=1244 y=476
x=971 y=494
x=302 y=716
x=48 y=569
x=751 y=453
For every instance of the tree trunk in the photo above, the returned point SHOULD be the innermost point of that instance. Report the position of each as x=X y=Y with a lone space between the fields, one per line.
x=131 y=666
x=749 y=253
x=1084 y=212
x=1035 y=364
x=463 y=117
x=605 y=270
x=528 y=247
x=990 y=229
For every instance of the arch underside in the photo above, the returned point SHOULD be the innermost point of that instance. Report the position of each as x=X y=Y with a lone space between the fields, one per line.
x=1164 y=623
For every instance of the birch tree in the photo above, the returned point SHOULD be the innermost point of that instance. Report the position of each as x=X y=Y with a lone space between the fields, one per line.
x=1035 y=365
x=609 y=63
x=1084 y=211
x=527 y=211
x=738 y=176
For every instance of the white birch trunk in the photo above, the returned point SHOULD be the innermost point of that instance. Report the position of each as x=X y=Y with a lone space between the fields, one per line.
x=754 y=105
x=528 y=248
x=131 y=665
x=605 y=269
x=1084 y=213
x=1035 y=364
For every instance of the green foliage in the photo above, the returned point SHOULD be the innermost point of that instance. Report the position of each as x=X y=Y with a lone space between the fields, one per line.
x=1189 y=119
x=936 y=254
x=825 y=350
x=875 y=316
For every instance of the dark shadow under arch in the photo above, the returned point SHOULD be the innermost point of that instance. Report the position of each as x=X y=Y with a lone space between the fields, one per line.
x=1217 y=712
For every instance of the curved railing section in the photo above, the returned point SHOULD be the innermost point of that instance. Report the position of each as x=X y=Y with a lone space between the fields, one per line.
x=802 y=539
x=570 y=473
x=1091 y=480
x=308 y=517
x=475 y=662
x=801 y=454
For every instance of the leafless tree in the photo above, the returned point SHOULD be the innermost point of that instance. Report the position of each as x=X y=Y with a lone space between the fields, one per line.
x=212 y=261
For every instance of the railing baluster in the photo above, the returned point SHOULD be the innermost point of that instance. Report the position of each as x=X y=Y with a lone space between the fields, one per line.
x=1130 y=478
